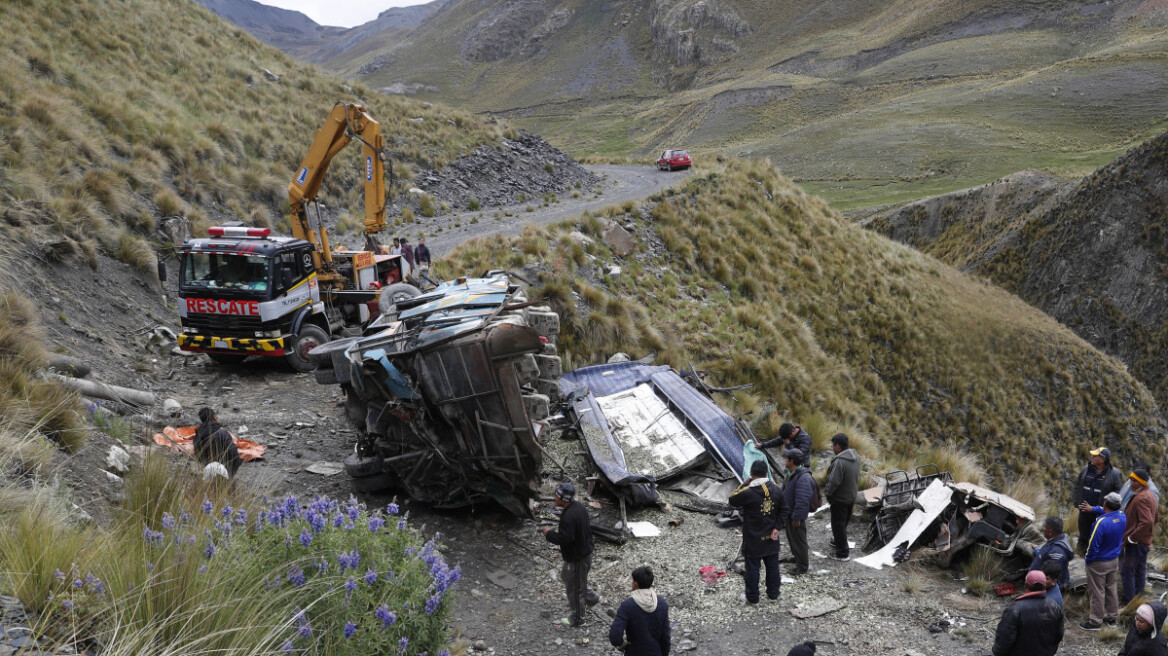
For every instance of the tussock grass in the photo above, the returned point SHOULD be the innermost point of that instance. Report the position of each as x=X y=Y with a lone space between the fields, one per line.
x=984 y=569
x=913 y=580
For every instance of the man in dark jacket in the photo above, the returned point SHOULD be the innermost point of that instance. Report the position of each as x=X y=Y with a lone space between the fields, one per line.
x=1057 y=549
x=1097 y=480
x=213 y=443
x=843 y=475
x=1144 y=638
x=797 y=495
x=1141 y=513
x=1032 y=625
x=422 y=255
x=407 y=252
x=792 y=437
x=1103 y=562
x=762 y=507
x=574 y=536
x=644 y=618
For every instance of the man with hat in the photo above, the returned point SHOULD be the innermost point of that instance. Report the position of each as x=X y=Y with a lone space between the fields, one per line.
x=762 y=507
x=1141 y=514
x=1103 y=561
x=1097 y=480
x=797 y=495
x=574 y=536
x=1032 y=625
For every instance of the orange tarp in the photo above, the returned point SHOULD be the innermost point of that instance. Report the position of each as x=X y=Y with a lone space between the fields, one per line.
x=181 y=439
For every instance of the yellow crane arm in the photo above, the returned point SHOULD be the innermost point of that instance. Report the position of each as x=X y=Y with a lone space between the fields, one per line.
x=344 y=123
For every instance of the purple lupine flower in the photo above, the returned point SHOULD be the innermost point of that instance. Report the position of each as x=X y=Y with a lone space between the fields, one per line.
x=67 y=605
x=148 y=566
x=209 y=551
x=353 y=509
x=322 y=565
x=241 y=517
x=349 y=560
x=351 y=584
x=59 y=574
x=228 y=511
x=444 y=652
x=402 y=644
x=370 y=577
x=387 y=616
x=401 y=525
x=432 y=603
x=202 y=569
x=305 y=537
x=338 y=520
x=208 y=507
x=167 y=521
x=350 y=630
x=305 y=631
x=391 y=509
x=376 y=523
x=296 y=576
x=286 y=647
x=184 y=517
x=275 y=581
x=77 y=583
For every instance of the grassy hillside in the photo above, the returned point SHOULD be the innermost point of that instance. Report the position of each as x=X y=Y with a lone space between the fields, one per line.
x=742 y=273
x=116 y=114
x=1090 y=252
x=863 y=103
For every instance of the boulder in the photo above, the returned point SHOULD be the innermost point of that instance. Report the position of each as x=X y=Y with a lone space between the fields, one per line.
x=619 y=240
x=619 y=357
x=118 y=459
x=171 y=407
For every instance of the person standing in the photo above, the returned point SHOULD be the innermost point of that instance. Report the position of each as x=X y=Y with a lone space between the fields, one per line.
x=1145 y=637
x=1125 y=492
x=643 y=618
x=1097 y=480
x=1032 y=625
x=422 y=255
x=574 y=537
x=407 y=252
x=843 y=476
x=762 y=507
x=1141 y=513
x=396 y=248
x=1057 y=550
x=792 y=437
x=213 y=443
x=797 y=495
x=1051 y=570
x=1103 y=562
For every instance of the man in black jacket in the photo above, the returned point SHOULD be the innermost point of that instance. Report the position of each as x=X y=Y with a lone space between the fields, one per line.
x=762 y=507
x=792 y=437
x=422 y=255
x=644 y=617
x=574 y=536
x=213 y=443
x=1032 y=625
x=797 y=494
x=1097 y=480
x=843 y=475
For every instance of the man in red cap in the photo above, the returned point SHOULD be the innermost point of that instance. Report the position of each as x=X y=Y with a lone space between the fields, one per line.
x=1032 y=625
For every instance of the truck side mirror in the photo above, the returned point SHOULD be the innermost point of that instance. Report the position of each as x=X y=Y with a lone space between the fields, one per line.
x=161 y=271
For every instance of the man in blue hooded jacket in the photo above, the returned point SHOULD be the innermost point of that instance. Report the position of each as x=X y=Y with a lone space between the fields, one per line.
x=1057 y=549
x=1103 y=561
x=643 y=618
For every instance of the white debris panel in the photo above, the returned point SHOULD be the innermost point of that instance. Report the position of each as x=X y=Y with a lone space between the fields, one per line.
x=931 y=503
x=654 y=440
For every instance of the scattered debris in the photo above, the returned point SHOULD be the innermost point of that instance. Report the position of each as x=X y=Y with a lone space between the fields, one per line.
x=214 y=470
x=325 y=468
x=172 y=407
x=503 y=579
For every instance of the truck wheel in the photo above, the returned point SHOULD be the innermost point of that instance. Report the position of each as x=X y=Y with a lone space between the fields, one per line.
x=395 y=293
x=375 y=483
x=310 y=337
x=226 y=358
x=326 y=375
x=358 y=467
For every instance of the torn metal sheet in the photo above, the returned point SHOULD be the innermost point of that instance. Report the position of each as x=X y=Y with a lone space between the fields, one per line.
x=932 y=502
x=705 y=488
x=655 y=442
x=677 y=403
x=1011 y=504
x=817 y=608
x=325 y=468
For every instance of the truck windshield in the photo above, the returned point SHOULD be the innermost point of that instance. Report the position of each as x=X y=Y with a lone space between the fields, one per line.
x=225 y=271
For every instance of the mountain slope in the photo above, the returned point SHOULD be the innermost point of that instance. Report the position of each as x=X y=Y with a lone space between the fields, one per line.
x=116 y=117
x=865 y=102
x=743 y=274
x=300 y=36
x=1092 y=253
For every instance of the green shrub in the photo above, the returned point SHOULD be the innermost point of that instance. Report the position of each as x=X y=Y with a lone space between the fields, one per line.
x=407 y=215
x=474 y=204
x=549 y=167
x=426 y=205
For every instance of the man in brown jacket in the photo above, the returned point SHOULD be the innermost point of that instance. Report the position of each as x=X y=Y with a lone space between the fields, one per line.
x=1141 y=515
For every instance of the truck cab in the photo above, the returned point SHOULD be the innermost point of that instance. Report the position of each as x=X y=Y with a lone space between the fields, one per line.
x=244 y=292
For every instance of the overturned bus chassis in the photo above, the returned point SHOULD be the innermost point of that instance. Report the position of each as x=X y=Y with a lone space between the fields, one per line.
x=448 y=391
x=926 y=509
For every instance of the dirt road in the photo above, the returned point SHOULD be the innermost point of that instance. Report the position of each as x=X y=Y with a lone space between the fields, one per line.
x=621 y=183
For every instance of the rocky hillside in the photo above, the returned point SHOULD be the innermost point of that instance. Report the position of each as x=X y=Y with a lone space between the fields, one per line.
x=744 y=275
x=864 y=103
x=1093 y=253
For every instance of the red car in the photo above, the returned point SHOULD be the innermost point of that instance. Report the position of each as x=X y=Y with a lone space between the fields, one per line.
x=673 y=159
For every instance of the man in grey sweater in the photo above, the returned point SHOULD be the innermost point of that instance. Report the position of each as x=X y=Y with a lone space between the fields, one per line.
x=843 y=475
